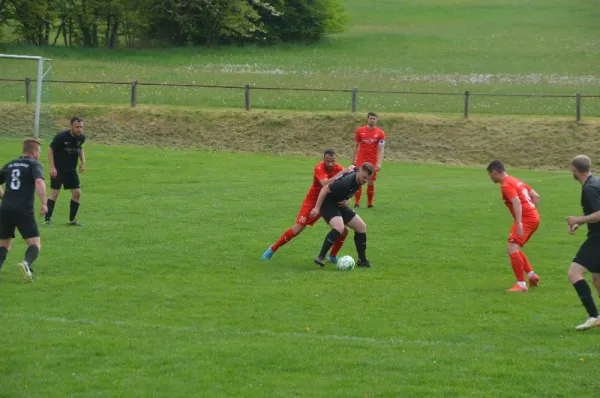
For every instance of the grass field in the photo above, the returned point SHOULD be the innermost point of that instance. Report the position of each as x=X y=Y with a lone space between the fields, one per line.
x=504 y=46
x=162 y=293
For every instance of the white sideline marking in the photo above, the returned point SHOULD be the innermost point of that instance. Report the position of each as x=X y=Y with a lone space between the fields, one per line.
x=375 y=341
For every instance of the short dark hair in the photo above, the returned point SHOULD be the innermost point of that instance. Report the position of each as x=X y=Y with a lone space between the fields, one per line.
x=371 y=114
x=368 y=167
x=496 y=165
x=582 y=163
x=29 y=144
x=76 y=119
x=329 y=152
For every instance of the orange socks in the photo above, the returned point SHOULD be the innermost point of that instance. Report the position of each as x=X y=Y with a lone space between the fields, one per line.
x=285 y=238
x=370 y=194
x=337 y=245
x=357 y=196
x=518 y=266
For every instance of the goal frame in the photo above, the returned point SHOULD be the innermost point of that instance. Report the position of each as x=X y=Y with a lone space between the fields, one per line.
x=40 y=82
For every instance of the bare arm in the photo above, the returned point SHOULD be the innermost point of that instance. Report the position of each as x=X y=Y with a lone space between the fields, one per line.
x=82 y=158
x=535 y=197
x=517 y=209
x=40 y=189
x=380 y=148
x=1 y=192
x=589 y=219
x=354 y=152
x=51 y=157
x=324 y=192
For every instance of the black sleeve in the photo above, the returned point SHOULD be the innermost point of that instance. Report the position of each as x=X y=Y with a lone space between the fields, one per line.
x=592 y=194
x=2 y=178
x=55 y=144
x=336 y=186
x=37 y=171
x=82 y=141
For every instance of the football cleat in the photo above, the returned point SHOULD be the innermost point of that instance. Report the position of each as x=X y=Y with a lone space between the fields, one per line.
x=517 y=288
x=267 y=254
x=320 y=261
x=534 y=280
x=332 y=259
x=364 y=264
x=75 y=223
x=588 y=324
x=26 y=271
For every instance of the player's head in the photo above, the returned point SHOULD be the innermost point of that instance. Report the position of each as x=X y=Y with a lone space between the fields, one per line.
x=76 y=126
x=365 y=173
x=329 y=158
x=581 y=165
x=496 y=171
x=372 y=119
x=31 y=148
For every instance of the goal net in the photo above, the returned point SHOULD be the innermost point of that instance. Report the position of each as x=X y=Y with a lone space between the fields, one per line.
x=26 y=96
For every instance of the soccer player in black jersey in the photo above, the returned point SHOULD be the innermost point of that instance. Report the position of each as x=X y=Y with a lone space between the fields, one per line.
x=24 y=177
x=588 y=256
x=337 y=216
x=64 y=152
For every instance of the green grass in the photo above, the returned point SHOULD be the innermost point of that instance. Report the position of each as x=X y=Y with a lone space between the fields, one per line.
x=503 y=46
x=162 y=293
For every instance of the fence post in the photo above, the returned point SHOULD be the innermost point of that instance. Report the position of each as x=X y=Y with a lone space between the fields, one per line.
x=354 y=99
x=467 y=103
x=247 y=97
x=134 y=93
x=27 y=90
x=578 y=106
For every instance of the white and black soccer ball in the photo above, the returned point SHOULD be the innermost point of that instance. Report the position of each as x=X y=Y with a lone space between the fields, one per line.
x=346 y=263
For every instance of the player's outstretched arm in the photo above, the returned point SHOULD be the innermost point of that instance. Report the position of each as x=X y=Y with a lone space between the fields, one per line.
x=51 y=162
x=517 y=208
x=82 y=160
x=324 y=192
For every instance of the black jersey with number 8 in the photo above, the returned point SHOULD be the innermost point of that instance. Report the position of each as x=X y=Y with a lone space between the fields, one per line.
x=19 y=176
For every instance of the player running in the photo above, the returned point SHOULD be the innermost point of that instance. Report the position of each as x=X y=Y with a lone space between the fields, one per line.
x=24 y=177
x=324 y=173
x=369 y=142
x=521 y=200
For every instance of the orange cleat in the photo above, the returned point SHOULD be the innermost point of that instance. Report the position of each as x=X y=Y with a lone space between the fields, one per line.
x=534 y=280
x=517 y=288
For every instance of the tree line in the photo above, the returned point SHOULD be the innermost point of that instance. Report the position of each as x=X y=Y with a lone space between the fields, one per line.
x=110 y=23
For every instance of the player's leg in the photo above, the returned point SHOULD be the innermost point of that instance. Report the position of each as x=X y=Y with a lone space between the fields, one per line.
x=331 y=214
x=576 y=276
x=529 y=229
x=31 y=234
x=337 y=246
x=7 y=233
x=360 y=237
x=516 y=261
x=596 y=282
x=371 y=189
x=55 y=185
x=287 y=236
x=74 y=207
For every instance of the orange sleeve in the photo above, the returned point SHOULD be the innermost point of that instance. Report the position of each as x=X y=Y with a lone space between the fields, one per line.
x=382 y=135
x=320 y=173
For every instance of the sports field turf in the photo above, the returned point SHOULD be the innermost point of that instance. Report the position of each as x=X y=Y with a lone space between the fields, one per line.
x=163 y=293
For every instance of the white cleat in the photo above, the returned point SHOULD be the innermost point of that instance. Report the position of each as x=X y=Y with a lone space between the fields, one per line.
x=588 y=324
x=26 y=271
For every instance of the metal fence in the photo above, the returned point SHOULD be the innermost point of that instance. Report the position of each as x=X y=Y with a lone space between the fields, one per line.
x=353 y=93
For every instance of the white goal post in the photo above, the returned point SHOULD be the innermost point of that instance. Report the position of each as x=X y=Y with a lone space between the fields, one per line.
x=40 y=81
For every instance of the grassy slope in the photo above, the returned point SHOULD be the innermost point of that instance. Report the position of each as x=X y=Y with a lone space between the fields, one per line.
x=507 y=46
x=519 y=141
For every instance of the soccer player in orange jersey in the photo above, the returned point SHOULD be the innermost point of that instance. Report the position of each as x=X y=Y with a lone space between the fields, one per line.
x=521 y=200
x=324 y=173
x=369 y=141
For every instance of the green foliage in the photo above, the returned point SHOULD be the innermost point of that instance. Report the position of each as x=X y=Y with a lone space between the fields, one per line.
x=93 y=23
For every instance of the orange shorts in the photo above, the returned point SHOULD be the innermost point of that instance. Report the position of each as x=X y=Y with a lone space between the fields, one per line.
x=529 y=227
x=304 y=215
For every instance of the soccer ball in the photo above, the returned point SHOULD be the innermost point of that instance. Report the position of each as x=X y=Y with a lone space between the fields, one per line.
x=346 y=263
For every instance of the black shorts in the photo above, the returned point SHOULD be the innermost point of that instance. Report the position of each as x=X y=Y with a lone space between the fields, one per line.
x=589 y=254
x=24 y=222
x=65 y=178
x=328 y=211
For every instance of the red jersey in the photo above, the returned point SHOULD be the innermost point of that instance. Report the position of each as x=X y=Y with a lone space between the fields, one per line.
x=368 y=144
x=320 y=173
x=512 y=187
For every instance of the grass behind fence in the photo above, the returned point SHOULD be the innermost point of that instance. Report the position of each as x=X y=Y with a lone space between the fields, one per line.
x=509 y=46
